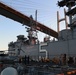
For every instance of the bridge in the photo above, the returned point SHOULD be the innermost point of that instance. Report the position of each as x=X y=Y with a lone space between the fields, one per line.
x=21 y=18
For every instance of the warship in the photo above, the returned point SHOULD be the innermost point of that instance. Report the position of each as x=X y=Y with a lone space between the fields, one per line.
x=64 y=45
x=29 y=56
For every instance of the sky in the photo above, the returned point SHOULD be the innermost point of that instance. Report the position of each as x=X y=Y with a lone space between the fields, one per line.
x=47 y=15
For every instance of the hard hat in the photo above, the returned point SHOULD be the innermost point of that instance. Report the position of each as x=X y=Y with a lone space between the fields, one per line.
x=9 y=71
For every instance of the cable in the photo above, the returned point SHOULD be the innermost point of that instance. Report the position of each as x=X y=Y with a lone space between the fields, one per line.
x=27 y=4
x=29 y=7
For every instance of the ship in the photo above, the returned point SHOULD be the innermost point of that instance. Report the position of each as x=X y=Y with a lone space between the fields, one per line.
x=63 y=45
x=54 y=57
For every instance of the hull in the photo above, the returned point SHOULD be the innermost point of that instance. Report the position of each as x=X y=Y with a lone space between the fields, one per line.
x=53 y=49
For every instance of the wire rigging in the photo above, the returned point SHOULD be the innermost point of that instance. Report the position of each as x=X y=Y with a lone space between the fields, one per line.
x=28 y=7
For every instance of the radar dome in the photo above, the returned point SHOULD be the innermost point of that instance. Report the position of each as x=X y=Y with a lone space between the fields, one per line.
x=9 y=71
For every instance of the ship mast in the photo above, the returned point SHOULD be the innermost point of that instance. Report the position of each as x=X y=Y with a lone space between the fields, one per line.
x=70 y=13
x=32 y=32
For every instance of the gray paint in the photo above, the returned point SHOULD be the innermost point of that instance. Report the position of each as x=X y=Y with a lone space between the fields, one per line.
x=65 y=45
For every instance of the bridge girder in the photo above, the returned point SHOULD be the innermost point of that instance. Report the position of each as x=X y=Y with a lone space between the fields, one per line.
x=21 y=18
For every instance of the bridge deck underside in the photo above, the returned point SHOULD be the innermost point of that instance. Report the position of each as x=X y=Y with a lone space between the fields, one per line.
x=21 y=18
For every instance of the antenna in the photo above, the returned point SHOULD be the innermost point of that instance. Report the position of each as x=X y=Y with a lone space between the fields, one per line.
x=36 y=16
x=36 y=22
x=32 y=32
